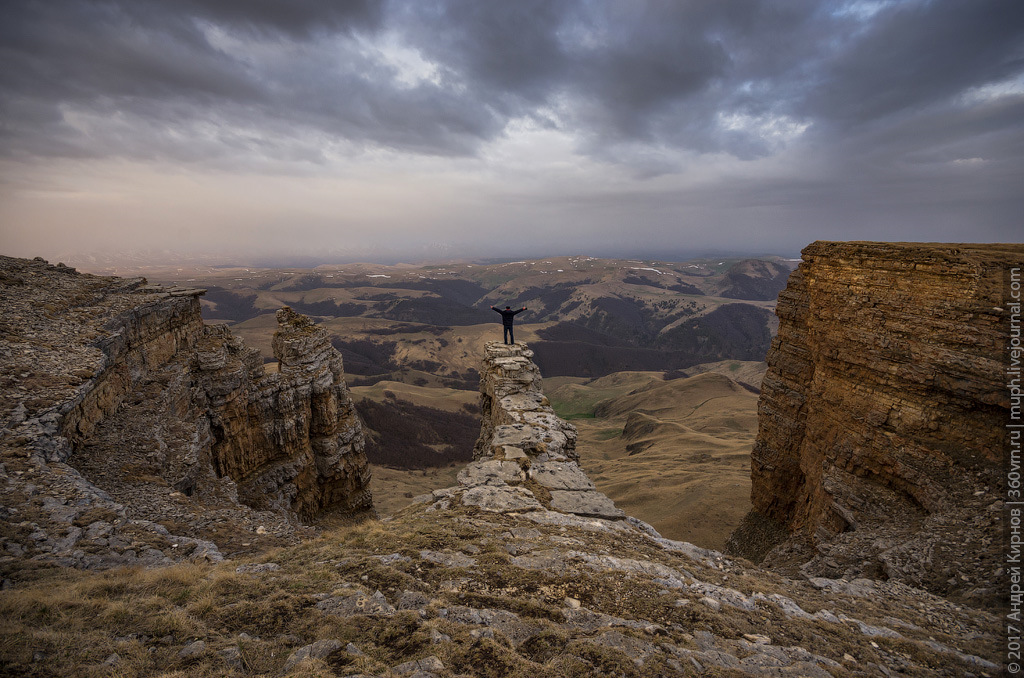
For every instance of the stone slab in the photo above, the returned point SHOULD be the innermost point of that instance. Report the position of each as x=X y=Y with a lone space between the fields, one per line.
x=500 y=499
x=589 y=503
x=559 y=475
x=492 y=472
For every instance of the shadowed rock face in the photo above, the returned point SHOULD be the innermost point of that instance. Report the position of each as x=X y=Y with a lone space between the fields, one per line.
x=147 y=437
x=525 y=458
x=885 y=402
x=290 y=439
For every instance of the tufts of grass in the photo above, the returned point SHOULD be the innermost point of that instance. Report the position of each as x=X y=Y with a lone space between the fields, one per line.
x=606 y=661
x=488 y=658
x=545 y=646
x=60 y=622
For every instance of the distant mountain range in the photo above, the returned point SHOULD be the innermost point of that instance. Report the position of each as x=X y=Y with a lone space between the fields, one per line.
x=586 y=316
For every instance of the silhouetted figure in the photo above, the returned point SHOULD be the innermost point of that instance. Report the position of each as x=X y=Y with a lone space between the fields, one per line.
x=506 y=321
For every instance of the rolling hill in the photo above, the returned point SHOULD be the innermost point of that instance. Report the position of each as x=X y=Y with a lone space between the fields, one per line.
x=586 y=317
x=675 y=452
x=656 y=363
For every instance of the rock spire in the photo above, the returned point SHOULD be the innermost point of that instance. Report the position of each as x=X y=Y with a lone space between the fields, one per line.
x=525 y=458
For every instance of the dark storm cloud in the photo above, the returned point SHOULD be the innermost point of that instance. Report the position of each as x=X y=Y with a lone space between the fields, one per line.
x=509 y=51
x=915 y=55
x=658 y=72
x=97 y=79
x=297 y=18
x=866 y=88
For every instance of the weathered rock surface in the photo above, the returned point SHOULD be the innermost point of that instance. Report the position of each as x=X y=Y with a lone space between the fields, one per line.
x=290 y=439
x=882 y=417
x=463 y=591
x=522 y=569
x=525 y=458
x=132 y=433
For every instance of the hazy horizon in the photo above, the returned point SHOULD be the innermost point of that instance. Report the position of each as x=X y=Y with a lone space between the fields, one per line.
x=417 y=130
x=168 y=258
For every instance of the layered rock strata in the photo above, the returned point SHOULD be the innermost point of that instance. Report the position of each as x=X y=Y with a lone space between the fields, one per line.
x=882 y=415
x=132 y=433
x=525 y=458
x=289 y=438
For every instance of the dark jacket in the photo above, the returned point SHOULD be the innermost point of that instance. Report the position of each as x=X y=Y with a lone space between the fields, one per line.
x=507 y=315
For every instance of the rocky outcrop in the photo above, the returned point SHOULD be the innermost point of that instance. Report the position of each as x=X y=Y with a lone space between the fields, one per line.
x=492 y=577
x=132 y=433
x=289 y=438
x=525 y=458
x=882 y=415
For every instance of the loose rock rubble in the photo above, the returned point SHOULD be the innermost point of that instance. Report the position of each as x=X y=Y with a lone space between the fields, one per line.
x=592 y=596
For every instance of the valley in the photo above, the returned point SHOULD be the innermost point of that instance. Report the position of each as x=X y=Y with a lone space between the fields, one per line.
x=656 y=363
x=176 y=501
x=676 y=452
x=586 y=316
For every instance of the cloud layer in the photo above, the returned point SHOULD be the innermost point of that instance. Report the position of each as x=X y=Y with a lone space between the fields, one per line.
x=774 y=122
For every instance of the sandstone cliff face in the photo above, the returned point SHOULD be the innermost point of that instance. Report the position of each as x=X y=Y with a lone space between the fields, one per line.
x=133 y=433
x=525 y=458
x=290 y=439
x=884 y=403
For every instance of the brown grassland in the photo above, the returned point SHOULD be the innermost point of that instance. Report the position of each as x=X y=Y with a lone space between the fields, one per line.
x=60 y=622
x=676 y=453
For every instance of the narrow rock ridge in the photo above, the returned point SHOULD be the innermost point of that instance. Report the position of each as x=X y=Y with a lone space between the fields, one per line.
x=881 y=420
x=130 y=433
x=525 y=458
x=495 y=559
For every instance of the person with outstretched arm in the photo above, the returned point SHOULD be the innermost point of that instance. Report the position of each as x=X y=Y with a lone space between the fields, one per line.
x=506 y=321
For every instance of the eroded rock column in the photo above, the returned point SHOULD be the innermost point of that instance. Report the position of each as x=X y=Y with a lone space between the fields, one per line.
x=525 y=458
x=290 y=438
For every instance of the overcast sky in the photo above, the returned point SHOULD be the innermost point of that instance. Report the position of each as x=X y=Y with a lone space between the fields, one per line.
x=422 y=129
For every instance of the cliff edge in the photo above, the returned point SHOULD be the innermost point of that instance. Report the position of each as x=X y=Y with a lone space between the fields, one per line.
x=882 y=417
x=134 y=434
x=523 y=569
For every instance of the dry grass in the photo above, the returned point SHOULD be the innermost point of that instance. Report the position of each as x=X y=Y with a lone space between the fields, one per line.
x=394 y=489
x=440 y=398
x=573 y=398
x=68 y=623
x=691 y=477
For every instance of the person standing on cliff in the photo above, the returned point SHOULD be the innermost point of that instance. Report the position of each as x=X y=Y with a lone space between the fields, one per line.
x=506 y=321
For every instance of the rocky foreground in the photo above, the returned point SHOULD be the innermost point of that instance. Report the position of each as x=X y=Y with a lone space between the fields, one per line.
x=522 y=569
x=459 y=590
